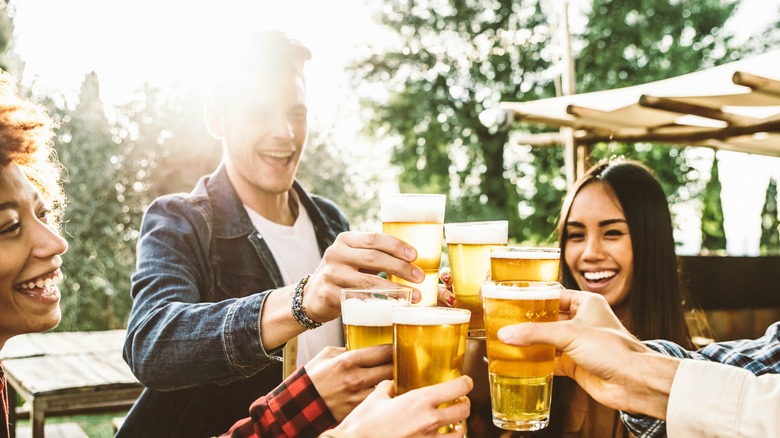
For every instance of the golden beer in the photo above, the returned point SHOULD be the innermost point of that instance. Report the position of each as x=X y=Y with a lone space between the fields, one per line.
x=417 y=219
x=367 y=314
x=520 y=377
x=524 y=264
x=429 y=346
x=468 y=247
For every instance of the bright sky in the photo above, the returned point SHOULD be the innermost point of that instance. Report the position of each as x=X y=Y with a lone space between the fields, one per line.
x=134 y=41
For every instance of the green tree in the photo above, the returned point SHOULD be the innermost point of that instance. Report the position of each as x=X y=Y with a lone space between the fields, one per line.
x=100 y=256
x=453 y=58
x=770 y=223
x=713 y=235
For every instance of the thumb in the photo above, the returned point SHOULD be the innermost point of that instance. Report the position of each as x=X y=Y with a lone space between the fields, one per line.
x=558 y=333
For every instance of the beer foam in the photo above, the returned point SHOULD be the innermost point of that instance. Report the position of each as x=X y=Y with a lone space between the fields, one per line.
x=430 y=316
x=412 y=208
x=473 y=233
x=534 y=291
x=369 y=313
x=526 y=253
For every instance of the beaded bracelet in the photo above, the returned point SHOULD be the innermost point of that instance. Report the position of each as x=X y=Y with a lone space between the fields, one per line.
x=298 y=311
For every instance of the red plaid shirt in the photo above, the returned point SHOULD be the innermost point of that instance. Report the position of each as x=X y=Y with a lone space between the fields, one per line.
x=4 y=406
x=293 y=409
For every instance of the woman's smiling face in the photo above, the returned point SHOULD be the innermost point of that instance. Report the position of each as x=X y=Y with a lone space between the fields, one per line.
x=598 y=249
x=30 y=250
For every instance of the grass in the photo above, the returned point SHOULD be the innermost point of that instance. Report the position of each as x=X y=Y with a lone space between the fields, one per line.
x=95 y=426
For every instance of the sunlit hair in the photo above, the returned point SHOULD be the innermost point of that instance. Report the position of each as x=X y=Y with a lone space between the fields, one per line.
x=26 y=133
x=258 y=56
x=656 y=301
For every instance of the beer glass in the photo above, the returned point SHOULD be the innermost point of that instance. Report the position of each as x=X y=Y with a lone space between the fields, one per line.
x=367 y=314
x=468 y=246
x=514 y=263
x=520 y=377
x=429 y=345
x=417 y=220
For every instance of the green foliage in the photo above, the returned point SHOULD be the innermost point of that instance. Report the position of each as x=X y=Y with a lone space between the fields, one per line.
x=770 y=223
x=453 y=58
x=713 y=235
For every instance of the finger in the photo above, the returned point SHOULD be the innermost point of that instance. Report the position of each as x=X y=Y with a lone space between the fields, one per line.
x=454 y=412
x=372 y=260
x=445 y=275
x=372 y=356
x=558 y=333
x=458 y=432
x=446 y=297
x=381 y=242
x=446 y=391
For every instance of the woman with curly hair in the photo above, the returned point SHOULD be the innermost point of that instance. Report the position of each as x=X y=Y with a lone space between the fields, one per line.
x=30 y=244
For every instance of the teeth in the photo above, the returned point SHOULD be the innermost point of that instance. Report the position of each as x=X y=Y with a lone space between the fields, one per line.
x=592 y=276
x=276 y=154
x=48 y=281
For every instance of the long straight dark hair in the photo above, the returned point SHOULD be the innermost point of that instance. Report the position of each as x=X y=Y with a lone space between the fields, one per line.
x=656 y=299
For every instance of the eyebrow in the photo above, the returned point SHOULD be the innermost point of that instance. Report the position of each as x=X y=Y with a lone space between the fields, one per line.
x=9 y=204
x=603 y=223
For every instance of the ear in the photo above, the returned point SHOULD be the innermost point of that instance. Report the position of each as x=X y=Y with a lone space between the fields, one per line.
x=214 y=121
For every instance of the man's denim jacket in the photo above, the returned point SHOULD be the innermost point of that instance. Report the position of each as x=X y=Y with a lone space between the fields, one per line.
x=193 y=337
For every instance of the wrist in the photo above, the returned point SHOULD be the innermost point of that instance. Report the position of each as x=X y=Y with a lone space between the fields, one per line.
x=297 y=309
x=653 y=385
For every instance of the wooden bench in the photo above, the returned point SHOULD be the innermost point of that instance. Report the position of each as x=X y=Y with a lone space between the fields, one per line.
x=66 y=373
x=58 y=430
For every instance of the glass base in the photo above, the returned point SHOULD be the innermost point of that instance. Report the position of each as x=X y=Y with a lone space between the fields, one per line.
x=527 y=425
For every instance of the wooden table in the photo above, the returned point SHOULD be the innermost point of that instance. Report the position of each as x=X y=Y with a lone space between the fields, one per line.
x=66 y=373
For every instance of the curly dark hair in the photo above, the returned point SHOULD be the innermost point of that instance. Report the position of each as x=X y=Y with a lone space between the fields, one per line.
x=26 y=133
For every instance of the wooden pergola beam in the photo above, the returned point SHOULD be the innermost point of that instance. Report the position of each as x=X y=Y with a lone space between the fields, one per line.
x=757 y=83
x=675 y=106
x=689 y=137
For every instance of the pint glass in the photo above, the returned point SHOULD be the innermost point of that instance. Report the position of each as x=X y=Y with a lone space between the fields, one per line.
x=417 y=220
x=468 y=246
x=520 y=377
x=429 y=345
x=515 y=263
x=367 y=314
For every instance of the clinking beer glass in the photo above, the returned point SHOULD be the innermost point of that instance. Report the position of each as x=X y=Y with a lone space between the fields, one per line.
x=429 y=346
x=520 y=263
x=520 y=377
x=417 y=219
x=468 y=246
x=367 y=314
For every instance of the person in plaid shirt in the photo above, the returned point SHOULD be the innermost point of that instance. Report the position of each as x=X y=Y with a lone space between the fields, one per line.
x=723 y=390
x=296 y=409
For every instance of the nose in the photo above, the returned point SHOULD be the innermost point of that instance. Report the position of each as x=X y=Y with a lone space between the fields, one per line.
x=593 y=249
x=282 y=128
x=47 y=242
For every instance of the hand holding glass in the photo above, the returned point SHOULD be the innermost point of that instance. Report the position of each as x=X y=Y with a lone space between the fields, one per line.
x=429 y=345
x=520 y=377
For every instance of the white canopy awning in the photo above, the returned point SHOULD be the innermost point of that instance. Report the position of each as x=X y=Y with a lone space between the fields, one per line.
x=735 y=106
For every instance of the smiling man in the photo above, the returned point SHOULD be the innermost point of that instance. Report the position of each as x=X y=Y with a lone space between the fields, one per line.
x=229 y=273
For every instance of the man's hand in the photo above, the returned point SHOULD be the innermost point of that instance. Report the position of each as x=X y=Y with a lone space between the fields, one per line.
x=601 y=355
x=413 y=414
x=345 y=378
x=353 y=260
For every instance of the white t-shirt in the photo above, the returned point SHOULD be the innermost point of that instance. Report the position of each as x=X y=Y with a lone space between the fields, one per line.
x=297 y=253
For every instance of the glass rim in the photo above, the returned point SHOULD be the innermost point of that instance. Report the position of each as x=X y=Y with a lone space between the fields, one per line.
x=520 y=289
x=429 y=309
x=379 y=291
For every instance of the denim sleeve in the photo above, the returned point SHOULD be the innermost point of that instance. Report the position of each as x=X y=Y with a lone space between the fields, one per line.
x=174 y=339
